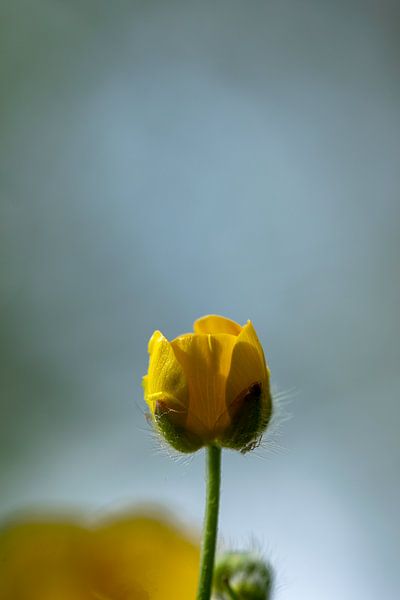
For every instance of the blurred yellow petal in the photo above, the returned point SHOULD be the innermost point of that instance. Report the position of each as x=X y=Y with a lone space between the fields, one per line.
x=131 y=558
x=216 y=324
x=43 y=561
x=141 y=554
x=205 y=360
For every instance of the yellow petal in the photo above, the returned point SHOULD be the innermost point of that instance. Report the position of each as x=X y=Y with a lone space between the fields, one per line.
x=216 y=324
x=131 y=558
x=165 y=379
x=142 y=555
x=205 y=360
x=44 y=560
x=247 y=366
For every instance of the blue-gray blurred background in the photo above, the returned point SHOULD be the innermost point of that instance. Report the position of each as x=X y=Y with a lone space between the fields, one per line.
x=163 y=160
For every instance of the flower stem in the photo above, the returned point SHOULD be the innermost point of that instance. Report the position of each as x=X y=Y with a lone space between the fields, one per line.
x=209 y=542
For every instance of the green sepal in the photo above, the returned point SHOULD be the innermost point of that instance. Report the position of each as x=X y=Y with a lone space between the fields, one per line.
x=250 y=414
x=171 y=426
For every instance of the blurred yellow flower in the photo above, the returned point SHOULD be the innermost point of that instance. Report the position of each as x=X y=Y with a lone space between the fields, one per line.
x=210 y=386
x=131 y=558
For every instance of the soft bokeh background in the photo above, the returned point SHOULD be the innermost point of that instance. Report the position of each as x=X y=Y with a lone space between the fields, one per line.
x=162 y=160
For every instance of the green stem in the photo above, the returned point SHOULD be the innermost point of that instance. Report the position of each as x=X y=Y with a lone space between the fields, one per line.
x=213 y=457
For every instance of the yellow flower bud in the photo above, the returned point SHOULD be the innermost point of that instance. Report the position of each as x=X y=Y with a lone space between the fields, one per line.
x=210 y=386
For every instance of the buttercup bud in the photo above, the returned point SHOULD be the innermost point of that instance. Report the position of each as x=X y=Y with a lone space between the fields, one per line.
x=242 y=575
x=209 y=387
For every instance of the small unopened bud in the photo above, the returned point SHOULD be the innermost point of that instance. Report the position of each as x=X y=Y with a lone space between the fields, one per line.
x=242 y=576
